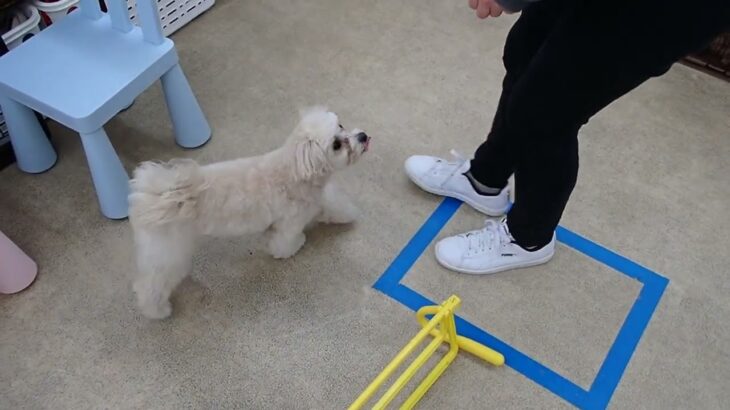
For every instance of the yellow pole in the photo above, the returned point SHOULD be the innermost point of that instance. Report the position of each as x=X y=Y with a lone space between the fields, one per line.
x=490 y=356
x=426 y=384
x=443 y=315
x=385 y=374
x=477 y=349
x=418 y=362
x=449 y=327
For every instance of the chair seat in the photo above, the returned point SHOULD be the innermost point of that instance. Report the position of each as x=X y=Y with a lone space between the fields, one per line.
x=81 y=72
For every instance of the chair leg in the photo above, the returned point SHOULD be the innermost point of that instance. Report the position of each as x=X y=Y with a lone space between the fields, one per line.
x=17 y=270
x=33 y=151
x=191 y=127
x=110 y=179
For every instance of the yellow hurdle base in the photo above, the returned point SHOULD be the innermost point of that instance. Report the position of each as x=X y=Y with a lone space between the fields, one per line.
x=442 y=328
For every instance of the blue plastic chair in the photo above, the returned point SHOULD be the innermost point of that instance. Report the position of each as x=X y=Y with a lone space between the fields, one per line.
x=81 y=72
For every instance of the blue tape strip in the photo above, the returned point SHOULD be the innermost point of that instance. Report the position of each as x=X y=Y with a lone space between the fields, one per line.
x=636 y=321
x=620 y=352
x=606 y=256
x=625 y=344
x=415 y=247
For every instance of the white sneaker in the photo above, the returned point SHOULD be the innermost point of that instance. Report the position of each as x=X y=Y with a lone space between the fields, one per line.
x=440 y=177
x=489 y=250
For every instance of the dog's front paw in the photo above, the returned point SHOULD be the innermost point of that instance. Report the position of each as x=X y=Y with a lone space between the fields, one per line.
x=157 y=310
x=337 y=208
x=282 y=247
x=151 y=301
x=343 y=214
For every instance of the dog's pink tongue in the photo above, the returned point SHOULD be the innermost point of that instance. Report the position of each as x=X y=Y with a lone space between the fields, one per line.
x=367 y=146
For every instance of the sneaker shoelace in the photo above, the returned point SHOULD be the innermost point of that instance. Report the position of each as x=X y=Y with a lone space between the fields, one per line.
x=449 y=167
x=488 y=239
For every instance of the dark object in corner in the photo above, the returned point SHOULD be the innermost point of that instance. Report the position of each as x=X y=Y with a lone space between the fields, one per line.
x=715 y=59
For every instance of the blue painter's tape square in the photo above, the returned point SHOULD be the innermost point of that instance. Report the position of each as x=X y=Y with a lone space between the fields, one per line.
x=619 y=355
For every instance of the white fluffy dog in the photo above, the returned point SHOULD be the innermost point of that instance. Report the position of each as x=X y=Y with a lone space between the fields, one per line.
x=278 y=194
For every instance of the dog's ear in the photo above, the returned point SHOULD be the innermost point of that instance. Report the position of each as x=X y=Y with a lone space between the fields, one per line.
x=318 y=123
x=310 y=159
x=313 y=110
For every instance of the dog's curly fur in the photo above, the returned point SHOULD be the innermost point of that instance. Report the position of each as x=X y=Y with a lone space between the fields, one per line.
x=278 y=194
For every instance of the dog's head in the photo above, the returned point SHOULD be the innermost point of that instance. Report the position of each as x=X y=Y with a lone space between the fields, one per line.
x=322 y=145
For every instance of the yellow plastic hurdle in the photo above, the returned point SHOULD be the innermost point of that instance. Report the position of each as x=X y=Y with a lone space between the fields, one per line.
x=443 y=329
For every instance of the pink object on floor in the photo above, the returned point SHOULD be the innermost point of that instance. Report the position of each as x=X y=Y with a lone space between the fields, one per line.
x=17 y=270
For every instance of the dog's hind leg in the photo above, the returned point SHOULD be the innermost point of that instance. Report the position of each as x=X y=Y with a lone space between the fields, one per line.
x=164 y=258
x=337 y=208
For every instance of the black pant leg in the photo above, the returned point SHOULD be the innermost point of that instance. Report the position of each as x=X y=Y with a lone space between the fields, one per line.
x=494 y=160
x=597 y=53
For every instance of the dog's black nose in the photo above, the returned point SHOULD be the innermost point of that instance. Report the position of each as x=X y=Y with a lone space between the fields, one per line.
x=362 y=137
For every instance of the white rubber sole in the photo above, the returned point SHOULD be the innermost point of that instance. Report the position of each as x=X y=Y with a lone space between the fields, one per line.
x=483 y=209
x=525 y=264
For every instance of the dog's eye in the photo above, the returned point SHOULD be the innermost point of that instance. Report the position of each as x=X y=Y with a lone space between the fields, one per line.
x=336 y=145
x=341 y=127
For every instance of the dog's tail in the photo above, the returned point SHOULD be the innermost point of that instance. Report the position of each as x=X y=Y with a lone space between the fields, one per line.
x=161 y=193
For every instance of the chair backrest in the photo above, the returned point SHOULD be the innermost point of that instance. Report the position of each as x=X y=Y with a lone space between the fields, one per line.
x=147 y=13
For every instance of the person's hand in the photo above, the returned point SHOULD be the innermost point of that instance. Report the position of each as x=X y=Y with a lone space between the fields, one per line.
x=486 y=8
